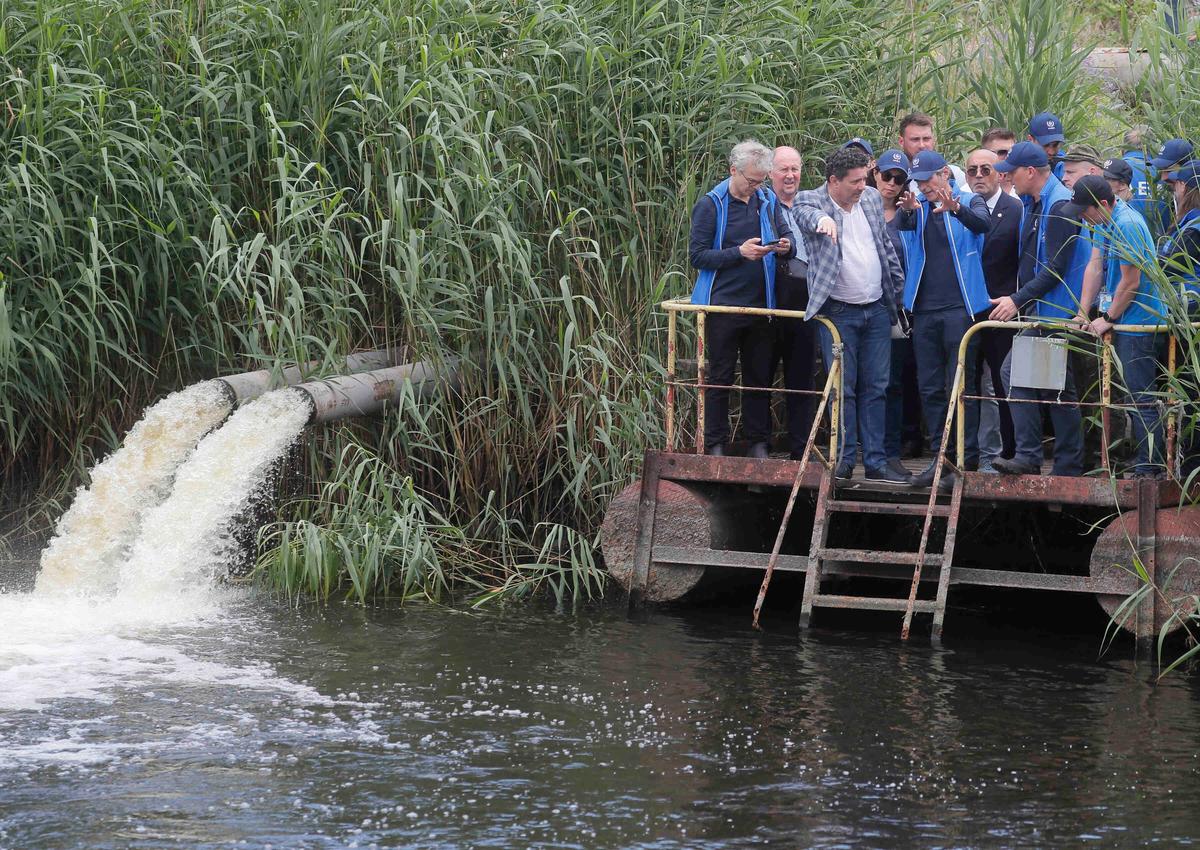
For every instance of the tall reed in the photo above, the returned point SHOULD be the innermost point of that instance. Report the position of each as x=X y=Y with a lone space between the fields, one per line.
x=199 y=188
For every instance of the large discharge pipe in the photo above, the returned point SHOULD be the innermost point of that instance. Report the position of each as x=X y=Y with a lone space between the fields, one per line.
x=248 y=386
x=368 y=393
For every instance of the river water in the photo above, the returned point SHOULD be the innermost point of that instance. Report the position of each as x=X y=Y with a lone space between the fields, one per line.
x=227 y=718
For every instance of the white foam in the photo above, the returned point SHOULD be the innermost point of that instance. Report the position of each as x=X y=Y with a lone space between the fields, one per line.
x=185 y=541
x=94 y=534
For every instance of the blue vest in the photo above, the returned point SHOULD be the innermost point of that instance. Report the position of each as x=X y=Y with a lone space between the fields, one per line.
x=1179 y=271
x=1061 y=302
x=702 y=293
x=965 y=247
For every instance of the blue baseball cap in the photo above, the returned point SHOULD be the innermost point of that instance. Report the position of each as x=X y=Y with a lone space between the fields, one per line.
x=926 y=164
x=1046 y=128
x=893 y=160
x=1189 y=173
x=862 y=143
x=1173 y=152
x=1023 y=154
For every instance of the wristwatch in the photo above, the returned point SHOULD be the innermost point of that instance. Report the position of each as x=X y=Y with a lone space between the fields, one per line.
x=1104 y=315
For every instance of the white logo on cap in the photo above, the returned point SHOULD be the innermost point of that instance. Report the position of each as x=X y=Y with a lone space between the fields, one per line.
x=1107 y=163
x=1162 y=150
x=1049 y=125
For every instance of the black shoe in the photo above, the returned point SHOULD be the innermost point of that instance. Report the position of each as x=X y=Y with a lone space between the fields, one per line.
x=716 y=451
x=759 y=451
x=1012 y=466
x=897 y=467
x=946 y=484
x=924 y=478
x=971 y=466
x=887 y=475
x=844 y=472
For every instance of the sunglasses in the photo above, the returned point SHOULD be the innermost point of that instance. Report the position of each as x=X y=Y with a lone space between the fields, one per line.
x=979 y=170
x=1002 y=152
x=899 y=178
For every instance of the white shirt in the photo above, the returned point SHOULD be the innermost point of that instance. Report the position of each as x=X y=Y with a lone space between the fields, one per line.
x=859 y=280
x=994 y=199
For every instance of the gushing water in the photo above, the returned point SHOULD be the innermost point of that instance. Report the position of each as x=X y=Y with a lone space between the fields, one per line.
x=186 y=541
x=95 y=533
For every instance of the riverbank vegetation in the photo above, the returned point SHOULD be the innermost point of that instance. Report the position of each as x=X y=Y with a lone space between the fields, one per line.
x=197 y=189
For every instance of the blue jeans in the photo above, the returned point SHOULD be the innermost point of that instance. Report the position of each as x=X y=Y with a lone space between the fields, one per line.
x=866 y=331
x=936 y=336
x=1138 y=356
x=1027 y=422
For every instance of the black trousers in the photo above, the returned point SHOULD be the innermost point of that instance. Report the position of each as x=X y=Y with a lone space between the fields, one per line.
x=994 y=345
x=728 y=339
x=796 y=347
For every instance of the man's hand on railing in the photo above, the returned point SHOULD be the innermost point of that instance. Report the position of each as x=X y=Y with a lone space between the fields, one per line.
x=1099 y=326
x=827 y=227
x=1005 y=309
x=753 y=249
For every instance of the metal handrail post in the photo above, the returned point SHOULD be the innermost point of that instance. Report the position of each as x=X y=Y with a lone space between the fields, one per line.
x=1171 y=455
x=670 y=381
x=700 y=379
x=1105 y=398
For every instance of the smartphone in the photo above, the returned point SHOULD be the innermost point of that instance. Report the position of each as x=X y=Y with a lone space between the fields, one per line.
x=769 y=244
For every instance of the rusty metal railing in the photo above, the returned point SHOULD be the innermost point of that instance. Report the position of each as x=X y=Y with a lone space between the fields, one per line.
x=959 y=399
x=829 y=394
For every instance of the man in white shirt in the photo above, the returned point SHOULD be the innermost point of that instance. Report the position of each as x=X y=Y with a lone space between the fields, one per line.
x=854 y=276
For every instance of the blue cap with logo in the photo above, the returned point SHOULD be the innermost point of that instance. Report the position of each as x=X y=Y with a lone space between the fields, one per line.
x=1173 y=152
x=926 y=164
x=893 y=160
x=1046 y=128
x=1118 y=169
x=1188 y=173
x=862 y=143
x=1023 y=154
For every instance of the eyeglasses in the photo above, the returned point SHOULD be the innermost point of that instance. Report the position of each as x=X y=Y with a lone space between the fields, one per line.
x=979 y=170
x=897 y=177
x=753 y=184
x=1002 y=152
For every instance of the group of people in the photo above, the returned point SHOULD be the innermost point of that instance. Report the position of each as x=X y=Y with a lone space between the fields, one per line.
x=903 y=252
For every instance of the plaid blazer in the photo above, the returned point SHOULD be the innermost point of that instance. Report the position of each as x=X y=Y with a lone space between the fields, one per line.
x=825 y=257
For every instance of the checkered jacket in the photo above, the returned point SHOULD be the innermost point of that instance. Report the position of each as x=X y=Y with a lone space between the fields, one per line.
x=825 y=257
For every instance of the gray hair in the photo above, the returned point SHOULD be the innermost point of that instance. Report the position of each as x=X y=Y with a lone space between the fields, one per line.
x=751 y=152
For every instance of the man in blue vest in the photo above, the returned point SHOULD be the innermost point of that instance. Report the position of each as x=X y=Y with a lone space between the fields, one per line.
x=1122 y=251
x=1050 y=284
x=1140 y=174
x=737 y=234
x=944 y=288
x=1173 y=154
x=1046 y=129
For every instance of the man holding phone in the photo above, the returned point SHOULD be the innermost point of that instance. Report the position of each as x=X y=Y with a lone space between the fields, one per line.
x=738 y=235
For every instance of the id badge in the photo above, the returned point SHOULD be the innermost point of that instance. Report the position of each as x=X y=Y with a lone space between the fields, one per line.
x=1105 y=302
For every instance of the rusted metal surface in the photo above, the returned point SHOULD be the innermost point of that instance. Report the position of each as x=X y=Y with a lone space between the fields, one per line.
x=797 y=483
x=878 y=556
x=1116 y=583
x=888 y=508
x=670 y=389
x=1168 y=550
x=682 y=518
x=820 y=535
x=872 y=603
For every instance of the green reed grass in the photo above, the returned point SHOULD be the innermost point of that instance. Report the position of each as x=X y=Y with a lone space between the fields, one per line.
x=192 y=189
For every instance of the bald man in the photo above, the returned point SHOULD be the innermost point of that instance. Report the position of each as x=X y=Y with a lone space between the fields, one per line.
x=1000 y=260
x=795 y=339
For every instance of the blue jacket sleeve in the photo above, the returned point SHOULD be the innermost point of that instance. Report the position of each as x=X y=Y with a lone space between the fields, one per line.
x=700 y=250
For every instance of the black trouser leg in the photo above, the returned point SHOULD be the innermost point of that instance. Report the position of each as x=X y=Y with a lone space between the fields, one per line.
x=729 y=338
x=994 y=345
x=796 y=347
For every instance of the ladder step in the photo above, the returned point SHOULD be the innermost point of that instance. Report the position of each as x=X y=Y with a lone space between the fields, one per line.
x=888 y=508
x=870 y=556
x=873 y=603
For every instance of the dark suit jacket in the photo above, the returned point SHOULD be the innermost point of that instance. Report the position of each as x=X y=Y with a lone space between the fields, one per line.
x=1002 y=247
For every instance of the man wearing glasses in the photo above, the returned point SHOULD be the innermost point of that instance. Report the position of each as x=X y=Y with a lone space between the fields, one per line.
x=1000 y=260
x=943 y=289
x=1000 y=140
x=738 y=234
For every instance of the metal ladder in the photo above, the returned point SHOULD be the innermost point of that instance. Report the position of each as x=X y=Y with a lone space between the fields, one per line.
x=828 y=504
